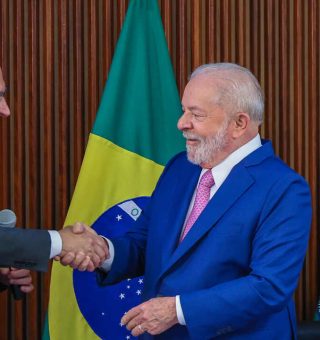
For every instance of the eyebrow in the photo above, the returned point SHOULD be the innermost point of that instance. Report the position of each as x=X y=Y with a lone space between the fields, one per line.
x=194 y=108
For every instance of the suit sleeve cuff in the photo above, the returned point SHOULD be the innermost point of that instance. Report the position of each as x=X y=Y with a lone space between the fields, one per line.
x=180 y=315
x=106 y=265
x=56 y=243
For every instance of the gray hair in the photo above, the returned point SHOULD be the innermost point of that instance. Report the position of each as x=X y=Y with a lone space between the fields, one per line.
x=239 y=89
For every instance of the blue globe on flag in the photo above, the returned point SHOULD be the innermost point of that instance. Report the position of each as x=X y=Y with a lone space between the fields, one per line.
x=104 y=306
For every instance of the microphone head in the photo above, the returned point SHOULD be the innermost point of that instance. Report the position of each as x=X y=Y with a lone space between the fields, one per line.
x=8 y=218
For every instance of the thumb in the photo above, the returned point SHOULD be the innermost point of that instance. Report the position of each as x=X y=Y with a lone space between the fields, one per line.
x=4 y=271
x=78 y=228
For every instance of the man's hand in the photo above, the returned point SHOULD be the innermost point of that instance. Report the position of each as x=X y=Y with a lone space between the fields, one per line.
x=82 y=248
x=154 y=316
x=19 y=277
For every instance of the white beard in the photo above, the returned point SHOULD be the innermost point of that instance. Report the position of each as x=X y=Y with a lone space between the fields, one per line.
x=207 y=150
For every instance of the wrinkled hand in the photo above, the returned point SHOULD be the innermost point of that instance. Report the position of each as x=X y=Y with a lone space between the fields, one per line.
x=19 y=277
x=82 y=248
x=154 y=316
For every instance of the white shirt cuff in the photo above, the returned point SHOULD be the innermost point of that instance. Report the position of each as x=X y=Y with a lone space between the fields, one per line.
x=180 y=315
x=106 y=265
x=56 y=243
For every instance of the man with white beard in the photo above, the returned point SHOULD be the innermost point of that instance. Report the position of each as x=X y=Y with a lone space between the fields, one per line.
x=222 y=242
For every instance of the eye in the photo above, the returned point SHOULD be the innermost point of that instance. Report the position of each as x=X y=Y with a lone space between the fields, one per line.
x=198 y=116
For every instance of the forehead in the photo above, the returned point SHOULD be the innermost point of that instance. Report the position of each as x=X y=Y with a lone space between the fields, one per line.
x=201 y=90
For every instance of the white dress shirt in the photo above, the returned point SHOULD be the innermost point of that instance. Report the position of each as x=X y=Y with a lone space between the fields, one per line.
x=56 y=246
x=56 y=243
x=220 y=172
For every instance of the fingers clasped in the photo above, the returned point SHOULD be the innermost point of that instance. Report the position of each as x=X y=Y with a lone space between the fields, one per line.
x=82 y=248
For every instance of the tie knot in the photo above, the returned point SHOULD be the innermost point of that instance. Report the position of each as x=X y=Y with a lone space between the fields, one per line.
x=207 y=179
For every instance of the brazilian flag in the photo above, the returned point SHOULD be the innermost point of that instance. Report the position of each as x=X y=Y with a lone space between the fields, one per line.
x=134 y=135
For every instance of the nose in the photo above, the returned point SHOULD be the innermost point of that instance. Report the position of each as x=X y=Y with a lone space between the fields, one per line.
x=4 y=108
x=184 y=122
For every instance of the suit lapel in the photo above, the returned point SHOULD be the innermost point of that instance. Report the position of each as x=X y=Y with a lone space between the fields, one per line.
x=232 y=189
x=178 y=210
x=236 y=184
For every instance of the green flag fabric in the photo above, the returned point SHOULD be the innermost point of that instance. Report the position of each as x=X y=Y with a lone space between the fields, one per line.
x=134 y=135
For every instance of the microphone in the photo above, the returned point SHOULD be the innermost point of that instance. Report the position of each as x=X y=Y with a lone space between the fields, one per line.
x=8 y=219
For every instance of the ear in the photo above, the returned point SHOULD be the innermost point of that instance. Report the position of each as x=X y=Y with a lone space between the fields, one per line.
x=240 y=124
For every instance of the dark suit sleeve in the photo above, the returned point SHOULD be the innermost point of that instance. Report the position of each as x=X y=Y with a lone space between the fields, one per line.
x=3 y=287
x=24 y=248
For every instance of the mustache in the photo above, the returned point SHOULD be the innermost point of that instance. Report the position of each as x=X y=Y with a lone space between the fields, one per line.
x=190 y=135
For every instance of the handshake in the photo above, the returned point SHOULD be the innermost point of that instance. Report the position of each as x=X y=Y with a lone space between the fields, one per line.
x=82 y=248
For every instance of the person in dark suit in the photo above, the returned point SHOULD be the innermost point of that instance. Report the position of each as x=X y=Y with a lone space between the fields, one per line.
x=223 y=239
x=32 y=249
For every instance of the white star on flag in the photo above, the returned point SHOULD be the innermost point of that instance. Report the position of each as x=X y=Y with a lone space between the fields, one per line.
x=140 y=281
x=119 y=217
x=138 y=292
x=122 y=296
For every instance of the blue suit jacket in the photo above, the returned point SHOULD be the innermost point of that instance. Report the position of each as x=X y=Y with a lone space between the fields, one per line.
x=238 y=267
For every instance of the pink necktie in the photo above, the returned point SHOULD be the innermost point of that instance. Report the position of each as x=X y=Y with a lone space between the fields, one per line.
x=201 y=200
